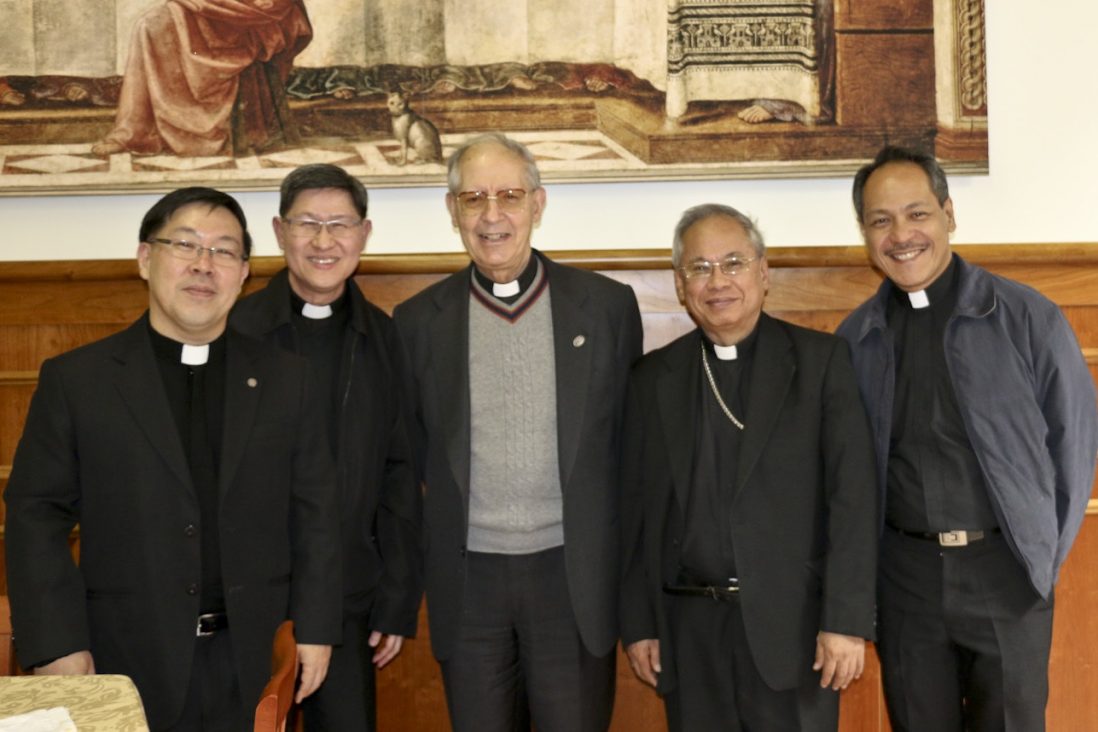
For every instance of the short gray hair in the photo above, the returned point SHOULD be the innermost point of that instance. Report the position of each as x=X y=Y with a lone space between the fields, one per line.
x=531 y=176
x=708 y=210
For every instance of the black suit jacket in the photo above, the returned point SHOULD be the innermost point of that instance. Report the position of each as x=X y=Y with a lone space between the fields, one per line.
x=804 y=510
x=380 y=504
x=101 y=449
x=597 y=336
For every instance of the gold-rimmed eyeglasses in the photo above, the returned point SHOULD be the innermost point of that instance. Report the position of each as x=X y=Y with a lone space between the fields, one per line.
x=731 y=266
x=189 y=251
x=309 y=229
x=509 y=200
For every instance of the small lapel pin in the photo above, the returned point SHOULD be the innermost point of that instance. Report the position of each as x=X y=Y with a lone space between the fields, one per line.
x=252 y=382
x=578 y=341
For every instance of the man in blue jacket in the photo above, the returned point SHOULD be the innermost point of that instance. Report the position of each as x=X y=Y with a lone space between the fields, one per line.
x=986 y=432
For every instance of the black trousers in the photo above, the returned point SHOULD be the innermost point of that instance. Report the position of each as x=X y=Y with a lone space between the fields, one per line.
x=719 y=687
x=346 y=701
x=963 y=638
x=519 y=655
x=213 y=701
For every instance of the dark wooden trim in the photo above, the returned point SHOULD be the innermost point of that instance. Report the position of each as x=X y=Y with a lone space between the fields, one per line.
x=1084 y=253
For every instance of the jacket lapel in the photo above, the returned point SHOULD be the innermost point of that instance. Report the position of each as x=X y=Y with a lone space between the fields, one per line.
x=142 y=390
x=772 y=369
x=677 y=398
x=572 y=353
x=450 y=367
x=244 y=383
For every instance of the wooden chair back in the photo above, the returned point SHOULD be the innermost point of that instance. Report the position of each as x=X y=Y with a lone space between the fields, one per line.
x=278 y=696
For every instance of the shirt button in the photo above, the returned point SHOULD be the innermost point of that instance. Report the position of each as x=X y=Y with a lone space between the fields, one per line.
x=190 y=530
x=192 y=589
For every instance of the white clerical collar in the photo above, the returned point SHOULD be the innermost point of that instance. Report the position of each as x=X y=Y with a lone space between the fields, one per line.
x=505 y=289
x=316 y=312
x=725 y=353
x=918 y=299
x=195 y=355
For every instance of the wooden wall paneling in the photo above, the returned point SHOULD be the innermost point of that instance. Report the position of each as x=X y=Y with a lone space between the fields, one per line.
x=1073 y=665
x=48 y=308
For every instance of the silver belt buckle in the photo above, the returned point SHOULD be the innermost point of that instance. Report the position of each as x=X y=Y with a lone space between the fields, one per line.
x=199 y=633
x=953 y=538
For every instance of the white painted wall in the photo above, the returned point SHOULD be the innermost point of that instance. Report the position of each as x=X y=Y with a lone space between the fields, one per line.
x=1044 y=156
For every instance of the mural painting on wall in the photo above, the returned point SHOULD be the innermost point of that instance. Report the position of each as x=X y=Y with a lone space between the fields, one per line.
x=159 y=93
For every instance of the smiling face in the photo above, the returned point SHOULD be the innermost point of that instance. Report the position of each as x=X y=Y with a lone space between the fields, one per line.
x=905 y=228
x=497 y=241
x=726 y=308
x=320 y=265
x=189 y=301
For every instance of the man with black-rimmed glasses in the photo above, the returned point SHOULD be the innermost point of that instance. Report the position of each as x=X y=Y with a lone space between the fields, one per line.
x=193 y=459
x=314 y=308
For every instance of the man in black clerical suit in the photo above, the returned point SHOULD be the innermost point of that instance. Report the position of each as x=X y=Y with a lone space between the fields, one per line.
x=194 y=460
x=748 y=502
x=986 y=429
x=313 y=307
x=516 y=374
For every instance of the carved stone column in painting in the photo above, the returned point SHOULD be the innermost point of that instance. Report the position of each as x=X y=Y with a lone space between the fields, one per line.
x=960 y=53
x=726 y=50
x=676 y=82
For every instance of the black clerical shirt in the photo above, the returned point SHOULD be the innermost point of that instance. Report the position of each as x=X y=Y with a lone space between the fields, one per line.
x=323 y=341
x=707 y=551
x=934 y=478
x=196 y=395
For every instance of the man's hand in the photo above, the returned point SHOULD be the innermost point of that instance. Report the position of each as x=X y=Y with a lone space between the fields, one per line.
x=839 y=658
x=644 y=659
x=74 y=664
x=313 y=660
x=386 y=647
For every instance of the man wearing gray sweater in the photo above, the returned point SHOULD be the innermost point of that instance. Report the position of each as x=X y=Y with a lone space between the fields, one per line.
x=516 y=371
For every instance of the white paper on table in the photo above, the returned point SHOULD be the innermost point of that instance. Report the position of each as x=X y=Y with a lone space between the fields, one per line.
x=56 y=719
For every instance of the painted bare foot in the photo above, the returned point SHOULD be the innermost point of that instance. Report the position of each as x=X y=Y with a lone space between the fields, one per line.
x=755 y=114
x=106 y=147
x=525 y=83
x=344 y=93
x=595 y=84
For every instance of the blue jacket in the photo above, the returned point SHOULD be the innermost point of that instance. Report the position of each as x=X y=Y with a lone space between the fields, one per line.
x=1027 y=400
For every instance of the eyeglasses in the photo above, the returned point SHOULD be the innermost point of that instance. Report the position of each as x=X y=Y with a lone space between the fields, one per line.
x=509 y=200
x=191 y=252
x=309 y=229
x=732 y=266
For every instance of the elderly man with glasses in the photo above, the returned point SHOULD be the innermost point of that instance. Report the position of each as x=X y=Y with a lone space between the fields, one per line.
x=748 y=502
x=313 y=307
x=193 y=459
x=516 y=374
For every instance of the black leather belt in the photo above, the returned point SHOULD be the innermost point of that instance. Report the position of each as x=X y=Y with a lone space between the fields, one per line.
x=688 y=586
x=210 y=623
x=958 y=537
